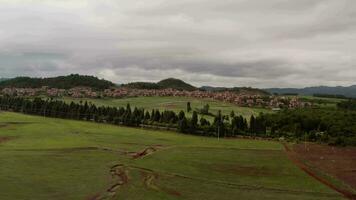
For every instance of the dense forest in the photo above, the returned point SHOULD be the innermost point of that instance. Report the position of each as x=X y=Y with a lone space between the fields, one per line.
x=347 y=105
x=62 y=82
x=237 y=90
x=163 y=84
x=336 y=127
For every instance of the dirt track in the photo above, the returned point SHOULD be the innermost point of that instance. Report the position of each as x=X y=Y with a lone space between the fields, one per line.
x=294 y=157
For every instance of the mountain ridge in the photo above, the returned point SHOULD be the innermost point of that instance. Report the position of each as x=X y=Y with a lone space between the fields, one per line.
x=347 y=91
x=61 y=82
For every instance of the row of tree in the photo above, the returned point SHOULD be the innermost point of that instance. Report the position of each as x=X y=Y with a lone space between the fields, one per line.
x=333 y=126
x=222 y=125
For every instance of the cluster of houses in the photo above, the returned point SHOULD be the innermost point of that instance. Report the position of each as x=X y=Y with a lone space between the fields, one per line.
x=77 y=92
x=225 y=96
x=249 y=100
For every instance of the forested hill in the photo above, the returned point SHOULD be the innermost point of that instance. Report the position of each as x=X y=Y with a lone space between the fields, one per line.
x=345 y=91
x=62 y=82
x=163 y=84
x=238 y=90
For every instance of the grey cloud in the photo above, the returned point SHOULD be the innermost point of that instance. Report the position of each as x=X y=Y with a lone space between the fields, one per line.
x=233 y=42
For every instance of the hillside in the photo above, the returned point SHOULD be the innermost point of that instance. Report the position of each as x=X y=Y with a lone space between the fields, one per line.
x=175 y=84
x=63 y=82
x=163 y=84
x=238 y=90
x=339 y=90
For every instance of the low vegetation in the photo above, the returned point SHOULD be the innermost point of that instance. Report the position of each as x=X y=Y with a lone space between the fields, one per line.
x=335 y=127
x=49 y=158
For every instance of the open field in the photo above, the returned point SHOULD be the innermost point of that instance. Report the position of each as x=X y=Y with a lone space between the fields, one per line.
x=323 y=102
x=176 y=104
x=43 y=158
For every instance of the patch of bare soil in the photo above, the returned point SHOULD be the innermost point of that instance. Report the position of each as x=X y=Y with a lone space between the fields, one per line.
x=144 y=152
x=119 y=176
x=313 y=153
x=4 y=139
x=170 y=106
x=149 y=180
x=336 y=161
x=9 y=124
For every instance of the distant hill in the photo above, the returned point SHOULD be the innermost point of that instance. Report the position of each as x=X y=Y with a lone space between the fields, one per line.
x=176 y=84
x=238 y=90
x=63 y=82
x=163 y=84
x=3 y=79
x=324 y=90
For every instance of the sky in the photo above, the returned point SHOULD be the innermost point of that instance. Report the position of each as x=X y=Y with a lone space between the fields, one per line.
x=256 y=43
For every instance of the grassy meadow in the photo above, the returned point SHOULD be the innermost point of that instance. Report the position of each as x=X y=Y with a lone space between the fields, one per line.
x=174 y=103
x=48 y=158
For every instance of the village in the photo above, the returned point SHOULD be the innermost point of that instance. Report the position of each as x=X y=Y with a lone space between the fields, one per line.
x=266 y=101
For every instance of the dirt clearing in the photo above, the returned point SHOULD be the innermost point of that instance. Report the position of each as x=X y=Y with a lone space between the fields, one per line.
x=339 y=162
x=329 y=160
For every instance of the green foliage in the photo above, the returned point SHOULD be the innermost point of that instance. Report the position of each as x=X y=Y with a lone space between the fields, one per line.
x=63 y=82
x=175 y=84
x=347 y=105
x=163 y=84
x=325 y=125
x=315 y=124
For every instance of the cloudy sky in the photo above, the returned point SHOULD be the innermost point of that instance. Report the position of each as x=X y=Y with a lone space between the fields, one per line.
x=274 y=43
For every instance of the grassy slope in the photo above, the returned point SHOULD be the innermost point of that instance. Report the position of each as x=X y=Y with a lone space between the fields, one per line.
x=175 y=103
x=45 y=159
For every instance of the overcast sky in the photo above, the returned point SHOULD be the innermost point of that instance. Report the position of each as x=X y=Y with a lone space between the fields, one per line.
x=258 y=43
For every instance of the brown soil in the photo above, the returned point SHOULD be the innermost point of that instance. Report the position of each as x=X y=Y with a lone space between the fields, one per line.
x=4 y=139
x=339 y=162
x=149 y=180
x=144 y=152
x=119 y=176
x=170 y=106
x=297 y=155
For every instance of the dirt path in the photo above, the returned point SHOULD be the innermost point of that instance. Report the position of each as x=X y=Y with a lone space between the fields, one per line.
x=119 y=176
x=293 y=157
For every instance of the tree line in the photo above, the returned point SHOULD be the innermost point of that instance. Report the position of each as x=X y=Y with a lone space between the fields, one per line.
x=337 y=127
x=222 y=125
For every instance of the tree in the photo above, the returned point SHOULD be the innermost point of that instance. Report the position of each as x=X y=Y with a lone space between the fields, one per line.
x=204 y=122
x=252 y=124
x=189 y=108
x=183 y=125
x=232 y=114
x=193 y=122
x=219 y=123
x=181 y=115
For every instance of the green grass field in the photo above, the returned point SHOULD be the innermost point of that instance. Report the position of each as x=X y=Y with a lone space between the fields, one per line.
x=176 y=104
x=46 y=158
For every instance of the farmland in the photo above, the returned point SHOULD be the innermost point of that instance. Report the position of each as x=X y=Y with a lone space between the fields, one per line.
x=173 y=103
x=48 y=158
